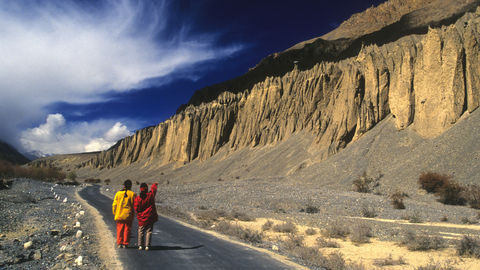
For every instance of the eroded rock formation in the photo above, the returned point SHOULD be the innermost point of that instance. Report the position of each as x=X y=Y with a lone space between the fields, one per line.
x=426 y=81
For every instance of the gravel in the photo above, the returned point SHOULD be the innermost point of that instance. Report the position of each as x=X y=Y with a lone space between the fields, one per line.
x=281 y=199
x=37 y=230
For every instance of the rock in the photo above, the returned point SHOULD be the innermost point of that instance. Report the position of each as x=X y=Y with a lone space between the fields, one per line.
x=3 y=235
x=27 y=245
x=426 y=81
x=20 y=258
x=274 y=247
x=54 y=232
x=82 y=213
x=65 y=200
x=79 y=261
x=77 y=224
x=79 y=234
x=37 y=255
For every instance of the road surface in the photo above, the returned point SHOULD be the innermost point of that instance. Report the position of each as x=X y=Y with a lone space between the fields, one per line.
x=175 y=246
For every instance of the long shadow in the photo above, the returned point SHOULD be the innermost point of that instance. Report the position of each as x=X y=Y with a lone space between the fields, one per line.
x=168 y=247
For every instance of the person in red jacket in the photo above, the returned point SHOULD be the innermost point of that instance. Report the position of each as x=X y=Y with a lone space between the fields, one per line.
x=146 y=214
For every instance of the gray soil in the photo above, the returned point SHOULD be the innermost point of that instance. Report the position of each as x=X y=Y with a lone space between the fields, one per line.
x=31 y=212
x=400 y=156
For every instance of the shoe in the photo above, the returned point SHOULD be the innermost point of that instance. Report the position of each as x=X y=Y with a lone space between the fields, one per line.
x=140 y=247
x=119 y=246
x=147 y=248
x=124 y=246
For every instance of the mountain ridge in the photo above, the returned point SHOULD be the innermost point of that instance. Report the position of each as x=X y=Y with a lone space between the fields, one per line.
x=425 y=81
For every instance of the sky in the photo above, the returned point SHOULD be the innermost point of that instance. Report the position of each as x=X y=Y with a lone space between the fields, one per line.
x=78 y=75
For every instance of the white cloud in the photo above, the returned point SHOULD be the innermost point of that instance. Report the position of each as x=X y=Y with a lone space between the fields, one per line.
x=56 y=136
x=61 y=51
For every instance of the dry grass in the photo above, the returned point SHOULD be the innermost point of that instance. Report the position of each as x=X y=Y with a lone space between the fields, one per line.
x=436 y=266
x=336 y=229
x=322 y=243
x=267 y=225
x=422 y=242
x=396 y=199
x=366 y=184
x=360 y=233
x=241 y=216
x=239 y=232
x=389 y=261
x=285 y=227
x=310 y=231
x=469 y=246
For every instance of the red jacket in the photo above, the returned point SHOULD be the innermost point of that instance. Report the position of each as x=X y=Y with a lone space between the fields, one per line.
x=145 y=207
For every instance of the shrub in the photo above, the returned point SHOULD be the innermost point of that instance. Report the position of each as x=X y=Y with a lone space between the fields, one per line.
x=365 y=183
x=72 y=176
x=471 y=193
x=293 y=241
x=239 y=232
x=310 y=231
x=413 y=218
x=322 y=243
x=92 y=181
x=469 y=246
x=445 y=188
x=336 y=229
x=210 y=215
x=368 y=212
x=267 y=225
x=241 y=216
x=451 y=193
x=360 y=233
x=389 y=261
x=286 y=227
x=397 y=200
x=431 y=182
x=422 y=242
x=466 y=220
x=436 y=266
x=310 y=209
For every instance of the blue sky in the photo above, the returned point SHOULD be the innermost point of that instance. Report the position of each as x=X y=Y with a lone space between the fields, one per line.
x=78 y=75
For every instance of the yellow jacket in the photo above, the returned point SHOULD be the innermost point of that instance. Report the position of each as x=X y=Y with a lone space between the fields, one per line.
x=122 y=206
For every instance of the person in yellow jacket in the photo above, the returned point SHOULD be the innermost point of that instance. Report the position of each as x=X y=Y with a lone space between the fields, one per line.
x=123 y=211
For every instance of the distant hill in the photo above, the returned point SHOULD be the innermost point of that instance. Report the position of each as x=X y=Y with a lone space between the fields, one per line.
x=11 y=154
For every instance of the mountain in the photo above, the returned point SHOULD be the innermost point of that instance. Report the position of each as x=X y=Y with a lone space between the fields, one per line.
x=409 y=65
x=10 y=154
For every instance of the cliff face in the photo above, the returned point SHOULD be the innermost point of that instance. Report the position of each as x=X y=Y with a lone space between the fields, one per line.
x=425 y=81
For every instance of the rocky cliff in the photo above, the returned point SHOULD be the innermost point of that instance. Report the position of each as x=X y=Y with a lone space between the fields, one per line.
x=425 y=79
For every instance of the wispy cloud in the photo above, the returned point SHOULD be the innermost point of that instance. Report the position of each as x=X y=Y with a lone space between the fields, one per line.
x=65 y=51
x=57 y=136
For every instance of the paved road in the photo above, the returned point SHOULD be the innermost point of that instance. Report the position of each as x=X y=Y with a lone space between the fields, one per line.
x=175 y=246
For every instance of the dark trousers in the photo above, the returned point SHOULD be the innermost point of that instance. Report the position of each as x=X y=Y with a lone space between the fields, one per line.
x=145 y=232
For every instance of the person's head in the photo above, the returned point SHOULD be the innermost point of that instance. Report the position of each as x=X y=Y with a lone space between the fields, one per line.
x=127 y=184
x=143 y=188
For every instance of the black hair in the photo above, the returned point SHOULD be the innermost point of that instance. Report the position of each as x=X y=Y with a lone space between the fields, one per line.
x=127 y=185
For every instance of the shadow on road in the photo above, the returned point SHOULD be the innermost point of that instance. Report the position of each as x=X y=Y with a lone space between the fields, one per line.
x=170 y=247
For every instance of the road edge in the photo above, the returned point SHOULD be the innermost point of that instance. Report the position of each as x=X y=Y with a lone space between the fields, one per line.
x=273 y=255
x=107 y=251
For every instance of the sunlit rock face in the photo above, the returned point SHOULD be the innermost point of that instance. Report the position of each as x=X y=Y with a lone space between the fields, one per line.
x=426 y=81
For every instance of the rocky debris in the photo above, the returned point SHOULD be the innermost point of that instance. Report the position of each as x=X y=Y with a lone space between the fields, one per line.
x=5 y=184
x=28 y=245
x=37 y=230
